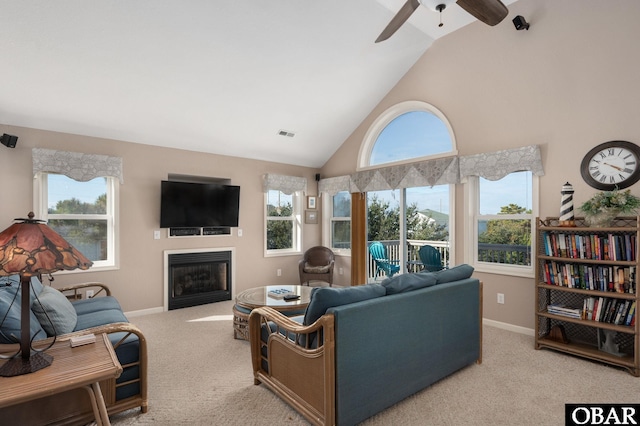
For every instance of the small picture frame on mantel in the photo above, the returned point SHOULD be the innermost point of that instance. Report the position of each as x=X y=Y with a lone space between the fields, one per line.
x=310 y=217
x=311 y=202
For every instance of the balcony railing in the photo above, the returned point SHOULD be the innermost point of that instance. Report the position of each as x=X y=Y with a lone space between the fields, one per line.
x=510 y=254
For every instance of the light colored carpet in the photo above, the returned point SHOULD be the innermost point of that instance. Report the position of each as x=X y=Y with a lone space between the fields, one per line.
x=200 y=375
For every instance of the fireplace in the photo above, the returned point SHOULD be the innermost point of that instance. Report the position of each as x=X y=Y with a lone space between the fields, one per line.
x=197 y=277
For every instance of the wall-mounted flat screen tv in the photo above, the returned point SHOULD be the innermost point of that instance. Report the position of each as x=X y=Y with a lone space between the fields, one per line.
x=186 y=205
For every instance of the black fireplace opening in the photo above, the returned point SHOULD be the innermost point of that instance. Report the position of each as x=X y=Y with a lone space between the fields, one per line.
x=199 y=278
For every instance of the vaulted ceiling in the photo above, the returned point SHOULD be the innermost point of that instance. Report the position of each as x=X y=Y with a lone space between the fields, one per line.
x=224 y=77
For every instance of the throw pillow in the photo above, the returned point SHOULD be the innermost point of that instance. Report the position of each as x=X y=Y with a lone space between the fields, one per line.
x=54 y=312
x=409 y=282
x=323 y=298
x=459 y=272
x=10 y=302
x=315 y=269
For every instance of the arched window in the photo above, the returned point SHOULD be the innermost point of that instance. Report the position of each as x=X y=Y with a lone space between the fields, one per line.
x=407 y=217
x=409 y=131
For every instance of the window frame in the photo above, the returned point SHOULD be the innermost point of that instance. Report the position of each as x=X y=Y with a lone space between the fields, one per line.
x=41 y=202
x=472 y=189
x=383 y=120
x=296 y=218
x=329 y=219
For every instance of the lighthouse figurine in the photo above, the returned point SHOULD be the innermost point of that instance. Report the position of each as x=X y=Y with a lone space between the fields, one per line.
x=566 y=206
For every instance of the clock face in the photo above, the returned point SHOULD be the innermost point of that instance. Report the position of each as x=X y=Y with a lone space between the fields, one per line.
x=612 y=165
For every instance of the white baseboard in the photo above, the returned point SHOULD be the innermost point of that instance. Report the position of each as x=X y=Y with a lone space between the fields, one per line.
x=144 y=312
x=510 y=327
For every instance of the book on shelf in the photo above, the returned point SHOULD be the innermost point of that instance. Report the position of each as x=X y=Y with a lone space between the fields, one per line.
x=564 y=310
x=592 y=246
x=619 y=279
x=608 y=310
x=279 y=293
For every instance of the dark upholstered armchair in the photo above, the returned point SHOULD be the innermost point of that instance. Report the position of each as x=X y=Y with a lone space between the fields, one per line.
x=317 y=264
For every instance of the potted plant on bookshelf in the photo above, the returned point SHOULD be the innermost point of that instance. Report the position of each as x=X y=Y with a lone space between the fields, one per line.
x=602 y=209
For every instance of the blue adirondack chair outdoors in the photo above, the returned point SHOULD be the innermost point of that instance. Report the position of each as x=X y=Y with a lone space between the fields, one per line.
x=430 y=258
x=383 y=264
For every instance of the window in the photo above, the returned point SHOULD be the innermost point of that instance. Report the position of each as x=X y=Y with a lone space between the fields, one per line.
x=83 y=213
x=503 y=212
x=411 y=146
x=283 y=222
x=340 y=222
x=407 y=132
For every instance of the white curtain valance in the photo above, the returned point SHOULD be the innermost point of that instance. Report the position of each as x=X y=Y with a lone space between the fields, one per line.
x=496 y=165
x=76 y=165
x=441 y=171
x=334 y=185
x=423 y=173
x=286 y=184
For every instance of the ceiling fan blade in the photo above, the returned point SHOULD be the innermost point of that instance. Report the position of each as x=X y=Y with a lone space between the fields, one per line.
x=401 y=17
x=491 y=12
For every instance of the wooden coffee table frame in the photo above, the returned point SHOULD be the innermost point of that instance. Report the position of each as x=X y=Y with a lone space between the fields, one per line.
x=257 y=298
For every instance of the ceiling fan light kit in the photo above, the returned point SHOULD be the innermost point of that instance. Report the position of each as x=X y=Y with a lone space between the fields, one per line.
x=491 y=12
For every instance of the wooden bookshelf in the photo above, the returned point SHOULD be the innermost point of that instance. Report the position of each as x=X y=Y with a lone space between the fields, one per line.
x=580 y=270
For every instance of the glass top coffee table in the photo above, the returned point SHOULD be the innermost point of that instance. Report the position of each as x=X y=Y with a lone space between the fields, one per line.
x=259 y=296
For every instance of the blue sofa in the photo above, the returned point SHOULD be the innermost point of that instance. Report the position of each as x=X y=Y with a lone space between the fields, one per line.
x=360 y=350
x=69 y=316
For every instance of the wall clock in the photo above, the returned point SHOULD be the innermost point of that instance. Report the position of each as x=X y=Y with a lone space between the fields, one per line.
x=611 y=165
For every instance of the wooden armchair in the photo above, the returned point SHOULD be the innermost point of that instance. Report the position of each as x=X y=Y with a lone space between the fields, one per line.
x=317 y=264
x=289 y=363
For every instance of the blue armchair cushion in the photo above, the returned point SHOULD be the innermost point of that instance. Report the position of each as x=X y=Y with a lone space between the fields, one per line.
x=459 y=272
x=10 y=311
x=54 y=312
x=323 y=298
x=409 y=282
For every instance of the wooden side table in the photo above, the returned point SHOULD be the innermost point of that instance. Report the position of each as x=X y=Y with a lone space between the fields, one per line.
x=79 y=367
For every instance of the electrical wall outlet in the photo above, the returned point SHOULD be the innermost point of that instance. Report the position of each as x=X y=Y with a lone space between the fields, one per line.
x=501 y=298
x=89 y=294
x=340 y=271
x=279 y=272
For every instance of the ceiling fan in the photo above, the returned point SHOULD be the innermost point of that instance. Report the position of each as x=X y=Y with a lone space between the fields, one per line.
x=491 y=12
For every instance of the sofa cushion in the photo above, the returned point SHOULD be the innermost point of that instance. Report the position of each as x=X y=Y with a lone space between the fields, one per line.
x=10 y=311
x=54 y=312
x=94 y=319
x=459 y=272
x=408 y=282
x=95 y=304
x=323 y=298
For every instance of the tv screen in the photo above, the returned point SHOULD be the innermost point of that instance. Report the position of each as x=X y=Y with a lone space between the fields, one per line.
x=185 y=205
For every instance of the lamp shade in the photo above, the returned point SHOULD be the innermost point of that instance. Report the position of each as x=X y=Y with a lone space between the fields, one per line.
x=31 y=248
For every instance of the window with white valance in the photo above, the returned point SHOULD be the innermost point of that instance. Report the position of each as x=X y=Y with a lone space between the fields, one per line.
x=76 y=165
x=78 y=194
x=285 y=184
x=283 y=213
x=498 y=164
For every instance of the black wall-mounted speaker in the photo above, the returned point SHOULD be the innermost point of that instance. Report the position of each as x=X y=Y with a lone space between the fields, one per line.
x=317 y=177
x=9 y=140
x=520 y=23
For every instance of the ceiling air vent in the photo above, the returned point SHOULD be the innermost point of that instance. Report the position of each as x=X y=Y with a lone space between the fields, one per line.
x=286 y=133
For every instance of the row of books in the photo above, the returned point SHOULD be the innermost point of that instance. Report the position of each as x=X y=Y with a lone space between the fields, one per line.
x=618 y=247
x=618 y=279
x=600 y=309
x=612 y=311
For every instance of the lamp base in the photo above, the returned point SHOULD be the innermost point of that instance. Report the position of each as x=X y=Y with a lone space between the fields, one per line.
x=18 y=366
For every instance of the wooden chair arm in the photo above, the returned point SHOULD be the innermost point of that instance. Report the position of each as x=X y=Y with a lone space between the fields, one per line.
x=76 y=287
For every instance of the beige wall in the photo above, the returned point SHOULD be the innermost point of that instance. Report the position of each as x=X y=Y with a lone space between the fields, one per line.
x=138 y=284
x=568 y=84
